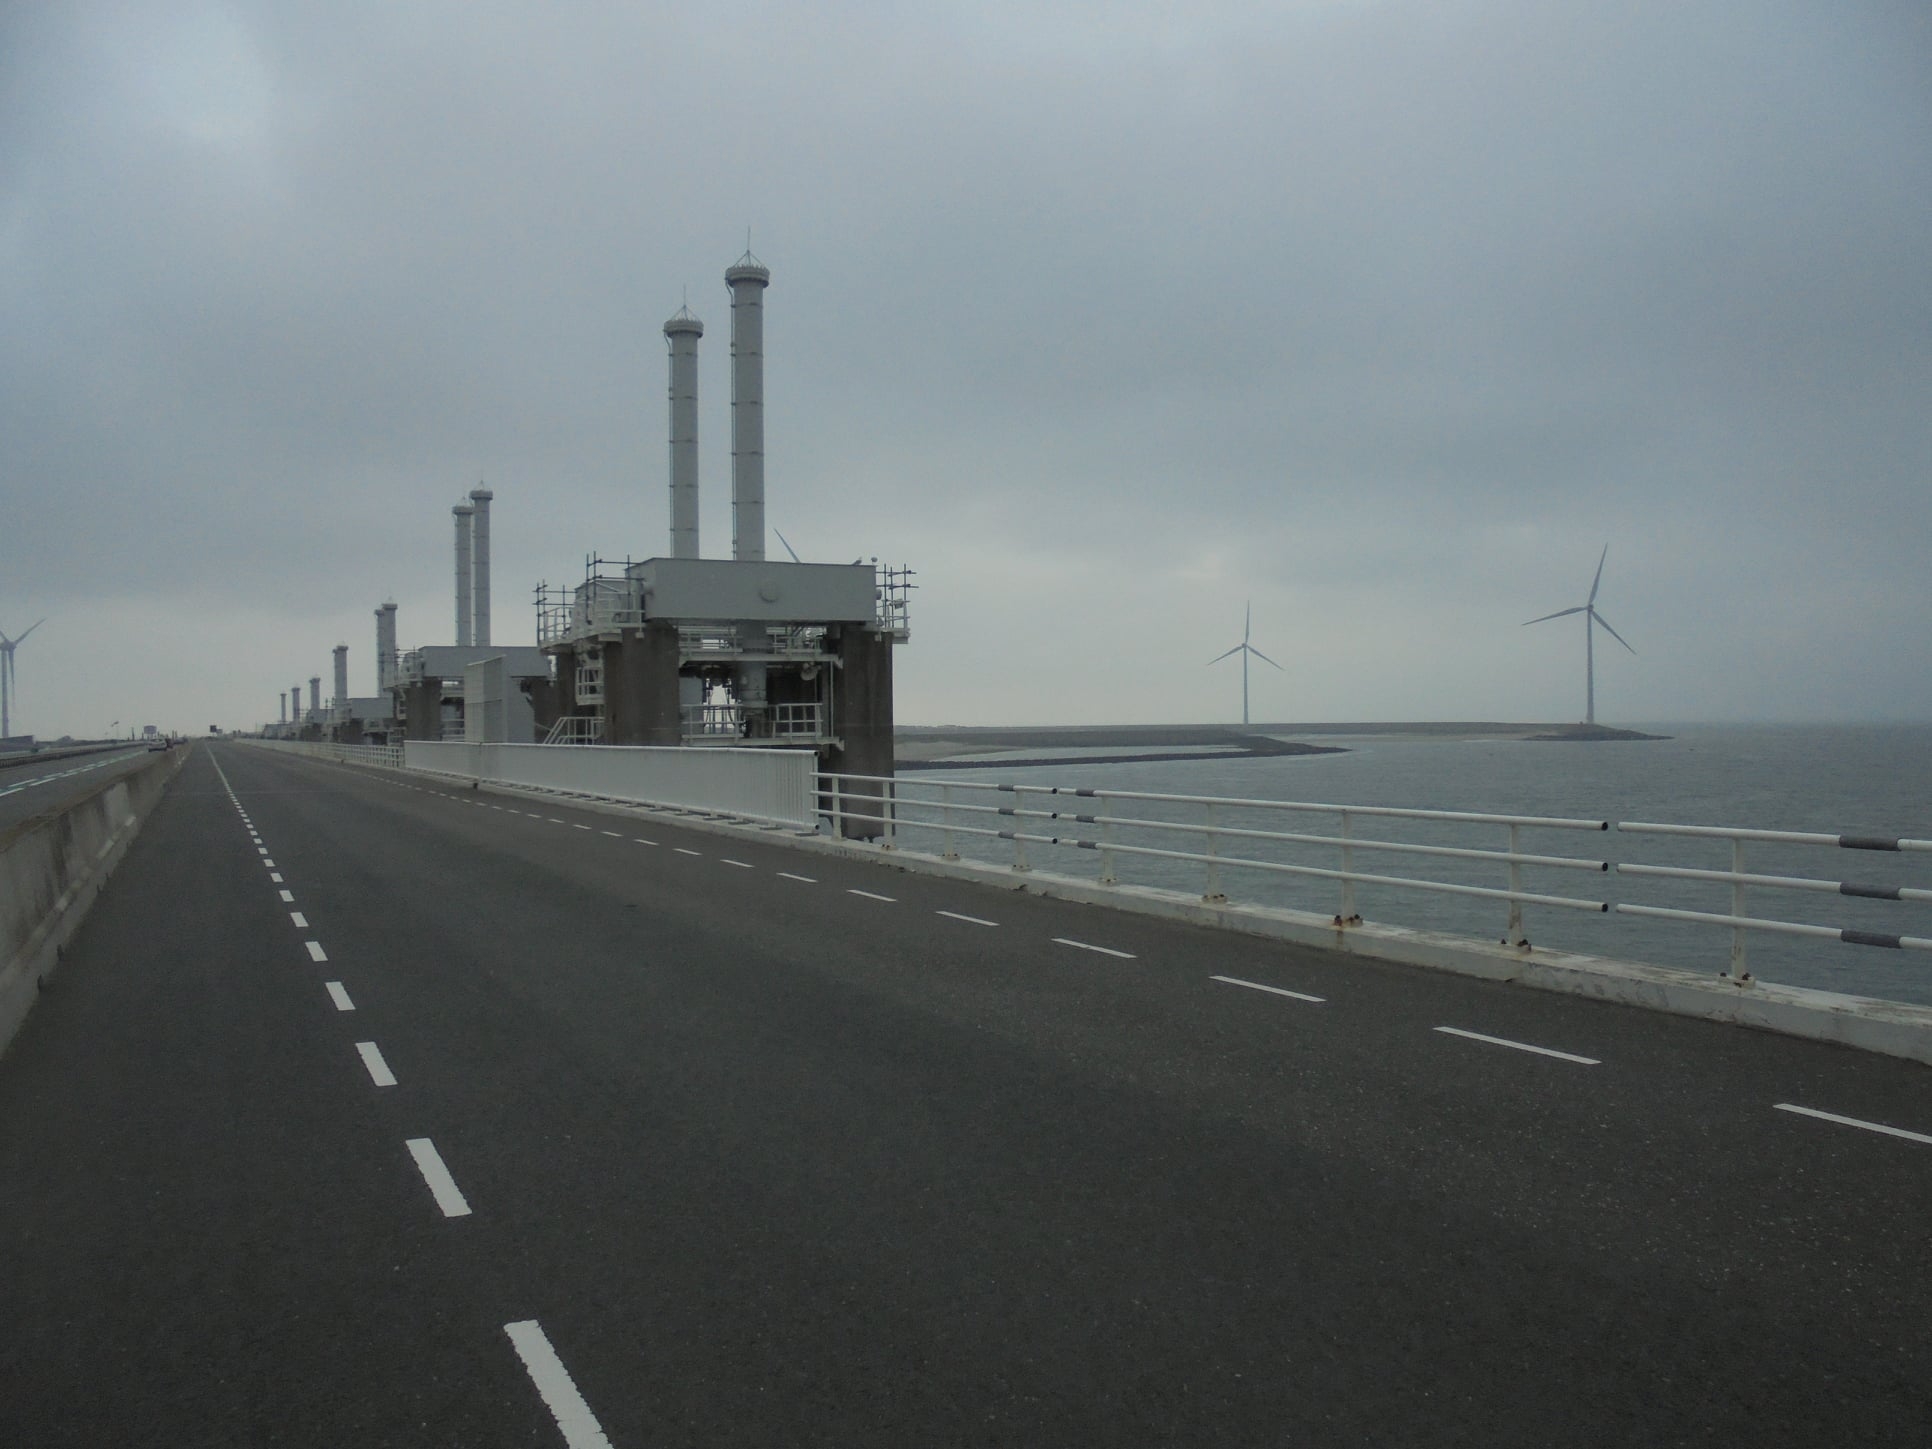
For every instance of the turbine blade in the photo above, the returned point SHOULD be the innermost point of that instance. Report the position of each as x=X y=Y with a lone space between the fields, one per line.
x=1557 y=615
x=1247 y=621
x=788 y=547
x=1599 y=578
x=1613 y=633
x=1264 y=658
x=1219 y=657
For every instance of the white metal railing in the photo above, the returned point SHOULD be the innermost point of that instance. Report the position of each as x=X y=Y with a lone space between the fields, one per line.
x=588 y=686
x=892 y=805
x=576 y=729
x=1203 y=841
x=390 y=756
x=727 y=723
x=1741 y=882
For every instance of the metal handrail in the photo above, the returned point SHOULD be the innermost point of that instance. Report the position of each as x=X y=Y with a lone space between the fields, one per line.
x=888 y=802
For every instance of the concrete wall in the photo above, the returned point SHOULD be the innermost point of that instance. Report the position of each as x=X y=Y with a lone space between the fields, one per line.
x=764 y=785
x=51 y=869
x=641 y=687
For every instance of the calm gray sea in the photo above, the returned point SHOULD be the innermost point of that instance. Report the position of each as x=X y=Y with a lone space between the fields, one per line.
x=1855 y=780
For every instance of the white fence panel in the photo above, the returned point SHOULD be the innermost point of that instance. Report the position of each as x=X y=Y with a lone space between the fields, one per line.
x=768 y=785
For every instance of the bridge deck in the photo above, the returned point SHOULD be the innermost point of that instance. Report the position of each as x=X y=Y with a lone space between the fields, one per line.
x=878 y=1158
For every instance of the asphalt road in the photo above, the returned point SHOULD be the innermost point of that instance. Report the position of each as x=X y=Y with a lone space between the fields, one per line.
x=756 y=1146
x=45 y=786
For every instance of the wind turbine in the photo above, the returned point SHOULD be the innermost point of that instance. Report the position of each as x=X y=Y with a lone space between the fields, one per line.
x=1591 y=618
x=6 y=678
x=1244 y=649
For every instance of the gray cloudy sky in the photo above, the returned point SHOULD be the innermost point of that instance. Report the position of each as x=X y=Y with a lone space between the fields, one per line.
x=1104 y=317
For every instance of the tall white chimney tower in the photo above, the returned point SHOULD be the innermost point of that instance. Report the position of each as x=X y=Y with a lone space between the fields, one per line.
x=315 y=696
x=386 y=647
x=682 y=333
x=480 y=565
x=295 y=705
x=747 y=279
x=341 y=710
x=464 y=513
x=282 y=700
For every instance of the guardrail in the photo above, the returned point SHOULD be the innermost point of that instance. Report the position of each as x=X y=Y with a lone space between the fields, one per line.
x=1121 y=819
x=1198 y=842
x=1741 y=882
x=390 y=756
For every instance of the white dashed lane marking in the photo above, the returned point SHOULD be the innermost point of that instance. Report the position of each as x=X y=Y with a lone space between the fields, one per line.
x=1854 y=1122
x=339 y=996
x=871 y=895
x=1521 y=1046
x=742 y=865
x=969 y=920
x=1087 y=946
x=316 y=953
x=287 y=895
x=429 y=1162
x=301 y=921
x=1272 y=990
x=806 y=879
x=578 y=1425
x=682 y=851
x=379 y=1072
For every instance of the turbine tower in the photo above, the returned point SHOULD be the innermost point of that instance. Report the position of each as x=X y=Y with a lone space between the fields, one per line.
x=1244 y=649
x=1591 y=618
x=6 y=678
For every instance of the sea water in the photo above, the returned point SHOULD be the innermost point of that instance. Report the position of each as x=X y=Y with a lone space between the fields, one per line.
x=1871 y=780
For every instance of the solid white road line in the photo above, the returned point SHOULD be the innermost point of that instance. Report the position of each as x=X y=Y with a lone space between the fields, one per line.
x=969 y=920
x=1103 y=950
x=316 y=953
x=442 y=1186
x=742 y=865
x=339 y=996
x=1853 y=1122
x=808 y=880
x=379 y=1072
x=1521 y=1046
x=579 y=1426
x=1274 y=990
x=287 y=895
x=871 y=896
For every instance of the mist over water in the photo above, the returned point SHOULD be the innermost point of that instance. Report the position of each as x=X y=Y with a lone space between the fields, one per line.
x=1838 y=779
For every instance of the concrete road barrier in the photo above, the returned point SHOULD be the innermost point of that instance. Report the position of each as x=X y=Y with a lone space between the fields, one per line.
x=51 y=869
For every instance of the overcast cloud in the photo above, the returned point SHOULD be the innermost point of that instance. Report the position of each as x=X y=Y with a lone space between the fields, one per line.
x=1105 y=318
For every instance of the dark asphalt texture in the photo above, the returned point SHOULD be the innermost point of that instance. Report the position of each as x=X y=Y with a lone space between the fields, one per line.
x=773 y=1163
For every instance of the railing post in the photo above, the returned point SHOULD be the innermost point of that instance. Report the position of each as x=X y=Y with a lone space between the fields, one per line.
x=1212 y=895
x=1019 y=845
x=838 y=819
x=1516 y=935
x=1739 y=972
x=889 y=807
x=1105 y=821
x=946 y=816
x=1347 y=915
